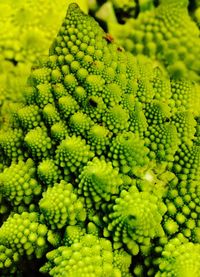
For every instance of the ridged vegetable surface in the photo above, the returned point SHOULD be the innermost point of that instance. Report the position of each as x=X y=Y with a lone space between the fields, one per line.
x=100 y=163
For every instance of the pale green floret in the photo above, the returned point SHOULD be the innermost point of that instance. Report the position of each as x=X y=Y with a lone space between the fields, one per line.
x=29 y=27
x=59 y=90
x=185 y=125
x=73 y=153
x=157 y=112
x=187 y=162
x=138 y=121
x=48 y=172
x=127 y=151
x=73 y=234
x=44 y=95
x=80 y=123
x=18 y=183
x=125 y=5
x=39 y=75
x=59 y=131
x=29 y=117
x=38 y=142
x=112 y=94
x=26 y=33
x=50 y=114
x=61 y=206
x=161 y=85
x=67 y=105
x=70 y=82
x=116 y=119
x=135 y=219
x=79 y=94
x=162 y=141
x=94 y=84
x=185 y=96
x=182 y=198
x=197 y=133
x=128 y=101
x=98 y=138
x=98 y=181
x=122 y=260
x=11 y=143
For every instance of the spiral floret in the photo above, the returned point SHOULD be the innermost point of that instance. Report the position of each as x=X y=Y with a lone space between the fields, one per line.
x=135 y=219
x=98 y=182
x=127 y=151
x=61 y=206
x=73 y=152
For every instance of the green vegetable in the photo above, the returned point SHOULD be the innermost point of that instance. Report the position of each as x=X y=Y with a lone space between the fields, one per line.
x=167 y=34
x=100 y=160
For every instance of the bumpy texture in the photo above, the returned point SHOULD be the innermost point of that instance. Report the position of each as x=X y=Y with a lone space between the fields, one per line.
x=179 y=259
x=100 y=164
x=98 y=182
x=88 y=257
x=134 y=219
x=24 y=234
x=18 y=183
x=60 y=206
x=27 y=28
x=174 y=257
x=167 y=34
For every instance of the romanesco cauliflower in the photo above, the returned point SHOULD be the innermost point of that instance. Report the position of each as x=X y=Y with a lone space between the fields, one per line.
x=100 y=160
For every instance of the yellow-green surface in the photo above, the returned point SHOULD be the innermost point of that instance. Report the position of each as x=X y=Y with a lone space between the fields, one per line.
x=99 y=147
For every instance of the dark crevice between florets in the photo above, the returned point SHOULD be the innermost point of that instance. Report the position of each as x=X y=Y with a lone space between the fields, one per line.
x=13 y=61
